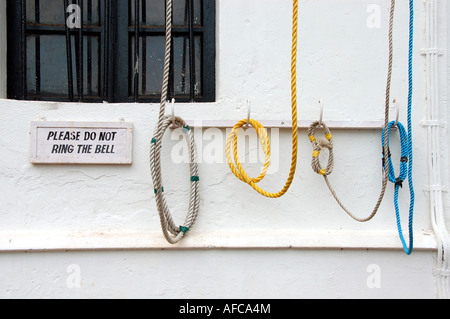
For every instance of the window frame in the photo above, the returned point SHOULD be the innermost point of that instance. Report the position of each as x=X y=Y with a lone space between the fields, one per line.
x=115 y=82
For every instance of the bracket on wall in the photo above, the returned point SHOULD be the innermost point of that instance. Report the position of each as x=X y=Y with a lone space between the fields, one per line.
x=425 y=123
x=429 y=51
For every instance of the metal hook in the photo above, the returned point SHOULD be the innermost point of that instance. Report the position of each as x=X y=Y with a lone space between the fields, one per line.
x=397 y=107
x=249 y=110
x=321 y=112
x=174 y=125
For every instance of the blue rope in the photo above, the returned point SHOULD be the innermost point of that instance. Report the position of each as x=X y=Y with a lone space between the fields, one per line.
x=406 y=162
x=398 y=181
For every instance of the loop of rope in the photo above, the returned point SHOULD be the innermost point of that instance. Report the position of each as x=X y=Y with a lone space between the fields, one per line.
x=328 y=144
x=404 y=154
x=398 y=181
x=237 y=168
x=171 y=231
x=318 y=146
x=265 y=143
x=316 y=164
x=406 y=161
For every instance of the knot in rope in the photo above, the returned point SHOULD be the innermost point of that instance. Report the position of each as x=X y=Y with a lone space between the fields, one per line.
x=323 y=143
x=318 y=146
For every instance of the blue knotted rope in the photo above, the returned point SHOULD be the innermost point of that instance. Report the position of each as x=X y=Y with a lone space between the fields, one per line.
x=406 y=162
x=398 y=180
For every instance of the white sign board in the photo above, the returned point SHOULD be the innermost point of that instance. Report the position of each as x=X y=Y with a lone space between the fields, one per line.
x=81 y=143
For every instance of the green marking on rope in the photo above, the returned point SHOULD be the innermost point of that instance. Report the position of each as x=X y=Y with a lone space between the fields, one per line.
x=186 y=128
x=154 y=140
x=162 y=190
x=195 y=179
x=184 y=229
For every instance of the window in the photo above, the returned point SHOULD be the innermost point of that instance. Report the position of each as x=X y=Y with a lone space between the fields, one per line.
x=109 y=50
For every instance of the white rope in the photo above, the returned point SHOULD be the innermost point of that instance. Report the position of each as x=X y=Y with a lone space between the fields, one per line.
x=172 y=232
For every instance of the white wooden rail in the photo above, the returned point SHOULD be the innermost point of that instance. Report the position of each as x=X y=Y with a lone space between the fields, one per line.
x=303 y=124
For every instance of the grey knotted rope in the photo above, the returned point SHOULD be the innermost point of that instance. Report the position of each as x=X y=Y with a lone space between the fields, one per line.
x=319 y=146
x=328 y=143
x=172 y=232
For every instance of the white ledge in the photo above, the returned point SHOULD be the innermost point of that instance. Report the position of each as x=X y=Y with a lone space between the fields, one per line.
x=287 y=124
x=275 y=239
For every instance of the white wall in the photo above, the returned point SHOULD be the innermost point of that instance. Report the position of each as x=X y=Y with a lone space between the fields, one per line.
x=343 y=62
x=217 y=274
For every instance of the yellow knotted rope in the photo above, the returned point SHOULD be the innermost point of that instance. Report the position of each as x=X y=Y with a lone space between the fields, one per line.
x=262 y=133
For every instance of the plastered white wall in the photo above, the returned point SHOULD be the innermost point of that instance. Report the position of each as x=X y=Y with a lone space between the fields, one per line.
x=217 y=274
x=343 y=62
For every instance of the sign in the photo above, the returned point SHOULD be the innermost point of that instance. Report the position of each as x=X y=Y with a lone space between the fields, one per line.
x=81 y=143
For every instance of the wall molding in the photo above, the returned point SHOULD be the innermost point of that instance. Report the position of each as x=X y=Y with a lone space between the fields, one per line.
x=28 y=241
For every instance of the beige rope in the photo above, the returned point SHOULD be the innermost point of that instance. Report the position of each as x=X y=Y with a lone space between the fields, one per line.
x=328 y=142
x=172 y=232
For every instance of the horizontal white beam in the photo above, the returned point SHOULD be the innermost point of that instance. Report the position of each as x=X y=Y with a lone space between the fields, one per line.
x=364 y=125
x=275 y=239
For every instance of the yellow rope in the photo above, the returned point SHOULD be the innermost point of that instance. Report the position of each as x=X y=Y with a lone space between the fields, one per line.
x=237 y=168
